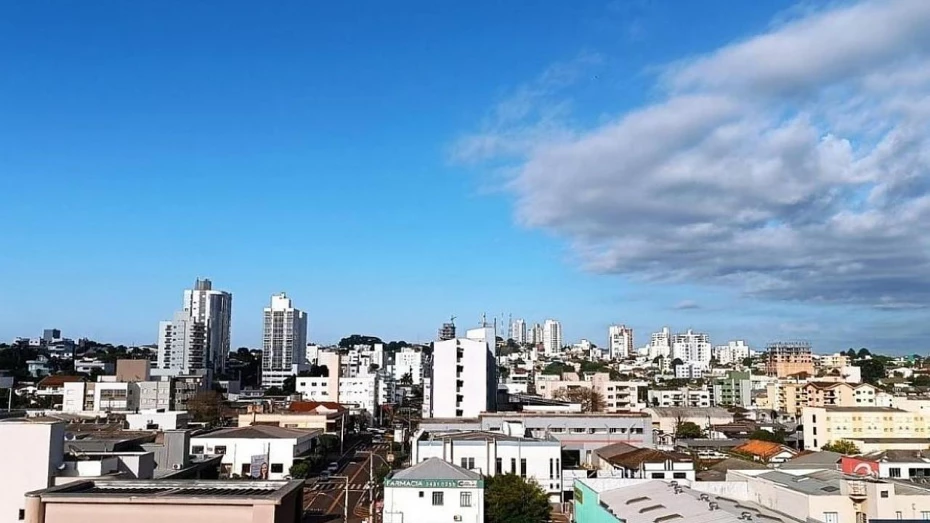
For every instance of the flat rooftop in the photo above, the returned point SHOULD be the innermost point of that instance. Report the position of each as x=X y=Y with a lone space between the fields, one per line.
x=834 y=408
x=205 y=492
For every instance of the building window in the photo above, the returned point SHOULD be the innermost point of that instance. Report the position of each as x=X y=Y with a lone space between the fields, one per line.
x=831 y=517
x=884 y=494
x=898 y=514
x=523 y=467
x=197 y=449
x=437 y=499
x=468 y=463
x=246 y=469
x=894 y=472
x=925 y=514
x=513 y=465
x=658 y=475
x=498 y=466
x=219 y=449
x=421 y=493
x=277 y=468
x=558 y=467
x=679 y=475
x=465 y=499
x=551 y=468
x=22 y=514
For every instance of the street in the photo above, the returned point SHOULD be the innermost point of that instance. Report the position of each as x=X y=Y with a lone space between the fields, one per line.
x=326 y=501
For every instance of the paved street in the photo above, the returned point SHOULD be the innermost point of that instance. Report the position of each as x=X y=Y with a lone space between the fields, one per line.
x=325 y=501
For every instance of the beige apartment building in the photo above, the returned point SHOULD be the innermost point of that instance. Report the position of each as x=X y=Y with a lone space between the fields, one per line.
x=618 y=395
x=190 y=501
x=831 y=361
x=871 y=428
x=786 y=359
x=791 y=397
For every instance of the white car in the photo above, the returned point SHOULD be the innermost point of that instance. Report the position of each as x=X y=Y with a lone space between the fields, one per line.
x=333 y=467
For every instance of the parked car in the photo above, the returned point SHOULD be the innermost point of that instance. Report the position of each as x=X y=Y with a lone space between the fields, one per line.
x=333 y=467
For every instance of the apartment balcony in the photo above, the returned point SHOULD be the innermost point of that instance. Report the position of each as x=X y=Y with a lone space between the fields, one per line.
x=857 y=490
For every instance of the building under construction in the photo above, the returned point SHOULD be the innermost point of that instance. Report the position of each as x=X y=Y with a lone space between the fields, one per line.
x=786 y=358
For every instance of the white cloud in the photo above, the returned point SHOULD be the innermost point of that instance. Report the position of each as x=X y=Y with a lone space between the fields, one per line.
x=793 y=165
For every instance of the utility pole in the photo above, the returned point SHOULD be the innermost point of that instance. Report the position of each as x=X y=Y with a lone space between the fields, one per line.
x=371 y=486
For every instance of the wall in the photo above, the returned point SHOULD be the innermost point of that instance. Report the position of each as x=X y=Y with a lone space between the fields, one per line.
x=587 y=506
x=32 y=453
x=148 y=513
x=240 y=451
x=404 y=505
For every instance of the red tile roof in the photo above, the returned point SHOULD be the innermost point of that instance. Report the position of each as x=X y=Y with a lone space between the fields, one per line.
x=315 y=406
x=57 y=381
x=764 y=450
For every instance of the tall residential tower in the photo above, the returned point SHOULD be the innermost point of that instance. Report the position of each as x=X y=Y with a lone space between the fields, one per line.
x=197 y=339
x=284 y=341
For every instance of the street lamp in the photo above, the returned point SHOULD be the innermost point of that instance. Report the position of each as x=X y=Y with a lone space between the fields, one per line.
x=371 y=482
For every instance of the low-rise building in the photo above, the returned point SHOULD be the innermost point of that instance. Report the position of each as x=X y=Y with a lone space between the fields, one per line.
x=682 y=397
x=158 y=420
x=734 y=389
x=329 y=417
x=870 y=428
x=493 y=453
x=141 y=501
x=667 y=419
x=765 y=451
x=270 y=447
x=913 y=465
x=618 y=395
x=627 y=461
x=433 y=491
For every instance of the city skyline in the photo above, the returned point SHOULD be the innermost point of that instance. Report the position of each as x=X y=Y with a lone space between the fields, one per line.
x=600 y=164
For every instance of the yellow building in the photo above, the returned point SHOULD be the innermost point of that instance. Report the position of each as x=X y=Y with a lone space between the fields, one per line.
x=822 y=394
x=871 y=428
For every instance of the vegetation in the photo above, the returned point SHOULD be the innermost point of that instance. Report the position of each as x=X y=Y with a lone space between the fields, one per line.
x=842 y=446
x=206 y=407
x=764 y=435
x=357 y=339
x=508 y=498
x=558 y=368
x=590 y=399
x=872 y=370
x=688 y=430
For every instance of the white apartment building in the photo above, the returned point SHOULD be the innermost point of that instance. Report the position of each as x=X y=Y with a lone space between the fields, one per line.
x=196 y=340
x=491 y=453
x=535 y=335
x=433 y=491
x=689 y=370
x=518 y=331
x=284 y=341
x=620 y=342
x=618 y=395
x=831 y=361
x=213 y=309
x=692 y=347
x=463 y=378
x=409 y=361
x=552 y=337
x=660 y=344
x=360 y=392
x=683 y=397
x=33 y=452
x=732 y=353
x=242 y=446
x=100 y=396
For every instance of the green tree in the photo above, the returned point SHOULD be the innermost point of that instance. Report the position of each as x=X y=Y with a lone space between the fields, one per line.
x=358 y=339
x=206 y=407
x=851 y=353
x=921 y=381
x=872 y=370
x=863 y=352
x=842 y=446
x=557 y=368
x=764 y=435
x=688 y=430
x=508 y=498
x=747 y=362
x=274 y=391
x=290 y=385
x=299 y=470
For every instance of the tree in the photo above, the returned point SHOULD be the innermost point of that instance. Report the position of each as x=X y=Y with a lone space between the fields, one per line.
x=590 y=399
x=406 y=379
x=842 y=446
x=851 y=353
x=290 y=385
x=358 y=339
x=676 y=362
x=921 y=381
x=872 y=370
x=508 y=498
x=747 y=362
x=274 y=391
x=206 y=407
x=557 y=368
x=688 y=430
x=299 y=470
x=863 y=352
x=764 y=435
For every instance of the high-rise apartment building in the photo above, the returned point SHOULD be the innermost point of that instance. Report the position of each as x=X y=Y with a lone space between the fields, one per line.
x=552 y=337
x=284 y=341
x=462 y=382
x=786 y=358
x=692 y=347
x=733 y=352
x=214 y=310
x=660 y=344
x=518 y=331
x=535 y=334
x=619 y=342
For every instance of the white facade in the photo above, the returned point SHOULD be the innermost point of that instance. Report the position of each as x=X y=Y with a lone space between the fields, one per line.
x=689 y=370
x=33 y=452
x=552 y=337
x=535 y=335
x=518 y=331
x=537 y=459
x=732 y=353
x=214 y=310
x=620 y=339
x=683 y=397
x=181 y=345
x=464 y=376
x=149 y=420
x=284 y=341
x=660 y=344
x=278 y=449
x=427 y=493
x=155 y=395
x=409 y=361
x=360 y=392
x=692 y=347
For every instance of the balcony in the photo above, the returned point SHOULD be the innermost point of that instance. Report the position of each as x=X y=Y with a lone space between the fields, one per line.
x=857 y=490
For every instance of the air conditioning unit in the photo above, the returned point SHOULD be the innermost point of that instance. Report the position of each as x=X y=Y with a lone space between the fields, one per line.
x=177 y=466
x=457 y=518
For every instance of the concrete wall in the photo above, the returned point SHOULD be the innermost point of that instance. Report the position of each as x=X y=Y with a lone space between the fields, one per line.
x=32 y=453
x=415 y=505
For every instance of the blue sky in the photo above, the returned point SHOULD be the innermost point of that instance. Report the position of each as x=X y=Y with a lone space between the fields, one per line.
x=392 y=164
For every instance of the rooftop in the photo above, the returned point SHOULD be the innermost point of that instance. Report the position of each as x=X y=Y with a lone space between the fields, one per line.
x=314 y=406
x=634 y=459
x=898 y=456
x=435 y=468
x=259 y=432
x=58 y=380
x=477 y=435
x=692 y=412
x=833 y=408
x=206 y=492
x=809 y=459
x=762 y=449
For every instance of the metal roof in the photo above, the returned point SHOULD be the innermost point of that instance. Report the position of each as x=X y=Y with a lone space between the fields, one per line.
x=149 y=490
x=435 y=468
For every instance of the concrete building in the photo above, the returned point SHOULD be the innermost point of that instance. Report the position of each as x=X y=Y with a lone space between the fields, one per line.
x=409 y=360
x=535 y=335
x=870 y=428
x=158 y=420
x=552 y=337
x=518 y=331
x=839 y=394
x=617 y=395
x=360 y=393
x=666 y=419
x=493 y=453
x=328 y=417
x=681 y=397
x=692 y=347
x=733 y=353
x=660 y=344
x=831 y=361
x=181 y=345
x=463 y=377
x=284 y=341
x=620 y=342
x=433 y=491
x=241 y=447
x=33 y=452
x=146 y=501
x=580 y=434
x=912 y=465
x=786 y=358
x=734 y=389
x=626 y=461
x=196 y=339
x=691 y=370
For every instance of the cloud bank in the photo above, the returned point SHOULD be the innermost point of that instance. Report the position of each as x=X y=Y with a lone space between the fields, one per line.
x=794 y=165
